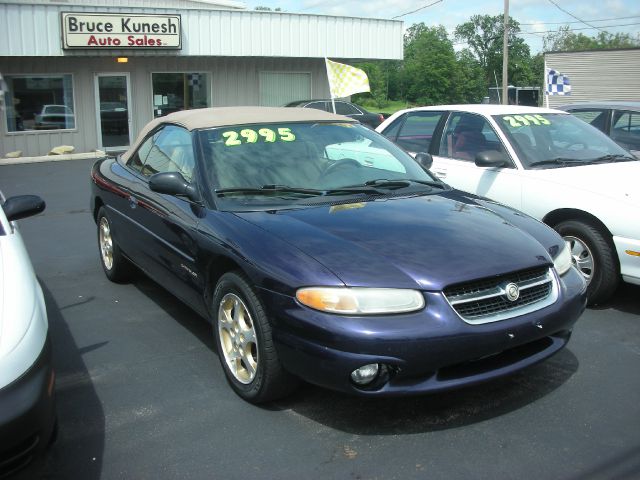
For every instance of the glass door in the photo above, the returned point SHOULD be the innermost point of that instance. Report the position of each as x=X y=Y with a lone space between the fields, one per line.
x=113 y=102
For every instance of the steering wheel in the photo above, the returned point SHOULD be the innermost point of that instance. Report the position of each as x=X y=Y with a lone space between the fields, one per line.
x=570 y=146
x=343 y=162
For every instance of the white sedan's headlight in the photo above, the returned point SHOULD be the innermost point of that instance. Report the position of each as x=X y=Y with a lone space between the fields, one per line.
x=360 y=301
x=562 y=261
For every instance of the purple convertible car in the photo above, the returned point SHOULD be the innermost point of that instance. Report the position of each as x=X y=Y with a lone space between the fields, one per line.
x=321 y=251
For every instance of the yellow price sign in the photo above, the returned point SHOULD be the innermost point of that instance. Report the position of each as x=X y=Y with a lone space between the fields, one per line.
x=523 y=120
x=247 y=135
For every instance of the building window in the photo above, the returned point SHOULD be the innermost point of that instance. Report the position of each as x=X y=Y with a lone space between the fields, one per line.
x=39 y=103
x=179 y=91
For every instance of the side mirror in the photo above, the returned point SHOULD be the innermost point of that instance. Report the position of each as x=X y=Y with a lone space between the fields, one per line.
x=424 y=159
x=173 y=183
x=491 y=158
x=22 y=206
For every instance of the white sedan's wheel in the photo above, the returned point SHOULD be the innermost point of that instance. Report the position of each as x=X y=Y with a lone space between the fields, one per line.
x=582 y=257
x=238 y=338
x=594 y=256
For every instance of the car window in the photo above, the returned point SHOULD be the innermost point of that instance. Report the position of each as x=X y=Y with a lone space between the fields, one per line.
x=391 y=132
x=172 y=151
x=595 y=117
x=318 y=106
x=468 y=134
x=136 y=161
x=343 y=108
x=626 y=129
x=312 y=155
x=416 y=132
x=365 y=152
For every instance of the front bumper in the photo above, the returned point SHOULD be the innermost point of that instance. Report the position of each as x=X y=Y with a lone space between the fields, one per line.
x=629 y=262
x=427 y=351
x=27 y=414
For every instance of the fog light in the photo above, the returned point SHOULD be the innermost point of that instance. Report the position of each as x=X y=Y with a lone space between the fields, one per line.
x=365 y=374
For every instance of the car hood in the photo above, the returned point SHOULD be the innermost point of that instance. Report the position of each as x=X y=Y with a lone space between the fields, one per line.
x=613 y=180
x=425 y=242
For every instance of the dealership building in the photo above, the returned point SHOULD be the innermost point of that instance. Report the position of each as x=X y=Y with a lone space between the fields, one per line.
x=92 y=73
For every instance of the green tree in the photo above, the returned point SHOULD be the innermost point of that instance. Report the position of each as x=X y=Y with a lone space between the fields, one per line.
x=378 y=82
x=564 y=40
x=427 y=75
x=484 y=36
x=469 y=83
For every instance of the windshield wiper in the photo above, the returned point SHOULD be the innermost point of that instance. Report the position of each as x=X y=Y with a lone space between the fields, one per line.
x=559 y=162
x=271 y=189
x=268 y=190
x=402 y=182
x=614 y=157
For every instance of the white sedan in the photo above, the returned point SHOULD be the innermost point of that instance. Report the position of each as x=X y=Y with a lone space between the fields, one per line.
x=27 y=410
x=546 y=163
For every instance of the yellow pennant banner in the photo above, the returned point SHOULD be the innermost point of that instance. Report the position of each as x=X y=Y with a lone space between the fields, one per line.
x=345 y=80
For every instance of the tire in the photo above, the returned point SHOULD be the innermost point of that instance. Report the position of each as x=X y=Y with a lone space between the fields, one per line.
x=244 y=343
x=116 y=266
x=587 y=241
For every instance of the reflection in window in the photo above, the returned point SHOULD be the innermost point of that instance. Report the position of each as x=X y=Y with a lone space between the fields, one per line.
x=179 y=91
x=39 y=103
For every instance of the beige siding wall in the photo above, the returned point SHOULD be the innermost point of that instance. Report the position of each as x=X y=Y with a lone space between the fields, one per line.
x=597 y=75
x=35 y=30
x=234 y=81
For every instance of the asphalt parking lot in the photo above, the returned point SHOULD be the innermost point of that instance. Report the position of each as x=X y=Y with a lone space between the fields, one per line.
x=141 y=393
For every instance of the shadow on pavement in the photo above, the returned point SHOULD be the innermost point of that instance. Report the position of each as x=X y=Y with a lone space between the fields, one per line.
x=626 y=299
x=391 y=416
x=79 y=448
x=176 y=309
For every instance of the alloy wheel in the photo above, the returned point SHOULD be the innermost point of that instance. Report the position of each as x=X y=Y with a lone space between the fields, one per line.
x=238 y=338
x=106 y=243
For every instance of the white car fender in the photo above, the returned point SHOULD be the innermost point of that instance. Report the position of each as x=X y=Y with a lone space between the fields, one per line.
x=23 y=317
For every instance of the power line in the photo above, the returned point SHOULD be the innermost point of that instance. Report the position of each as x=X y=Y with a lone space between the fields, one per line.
x=583 y=28
x=572 y=15
x=416 y=10
x=597 y=20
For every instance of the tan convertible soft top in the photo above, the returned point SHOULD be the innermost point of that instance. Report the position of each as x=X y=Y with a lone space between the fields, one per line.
x=230 y=116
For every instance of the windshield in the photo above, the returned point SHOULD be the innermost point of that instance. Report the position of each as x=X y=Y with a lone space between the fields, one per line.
x=293 y=162
x=56 y=109
x=551 y=140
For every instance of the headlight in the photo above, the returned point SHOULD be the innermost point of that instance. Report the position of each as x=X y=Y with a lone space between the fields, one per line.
x=360 y=301
x=562 y=262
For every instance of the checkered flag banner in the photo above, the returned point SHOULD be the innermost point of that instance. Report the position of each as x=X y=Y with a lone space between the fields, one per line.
x=557 y=83
x=345 y=80
x=194 y=80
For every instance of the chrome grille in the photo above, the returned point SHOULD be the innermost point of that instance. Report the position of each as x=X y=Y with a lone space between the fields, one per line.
x=485 y=300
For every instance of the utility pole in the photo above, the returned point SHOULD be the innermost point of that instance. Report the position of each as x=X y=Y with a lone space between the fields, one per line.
x=505 y=55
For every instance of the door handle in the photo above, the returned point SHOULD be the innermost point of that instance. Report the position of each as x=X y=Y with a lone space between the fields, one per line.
x=439 y=173
x=133 y=201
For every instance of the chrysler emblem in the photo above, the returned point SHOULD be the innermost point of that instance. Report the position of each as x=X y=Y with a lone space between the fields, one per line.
x=512 y=291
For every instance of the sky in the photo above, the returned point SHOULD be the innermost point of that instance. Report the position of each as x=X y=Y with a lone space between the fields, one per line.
x=537 y=14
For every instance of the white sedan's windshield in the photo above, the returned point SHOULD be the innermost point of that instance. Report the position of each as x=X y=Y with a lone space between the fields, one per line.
x=554 y=139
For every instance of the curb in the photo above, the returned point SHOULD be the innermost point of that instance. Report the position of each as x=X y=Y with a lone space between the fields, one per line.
x=52 y=158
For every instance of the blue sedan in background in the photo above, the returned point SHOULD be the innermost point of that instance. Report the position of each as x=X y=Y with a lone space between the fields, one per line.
x=321 y=251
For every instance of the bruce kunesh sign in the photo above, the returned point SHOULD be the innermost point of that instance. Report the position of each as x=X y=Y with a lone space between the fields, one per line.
x=100 y=30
